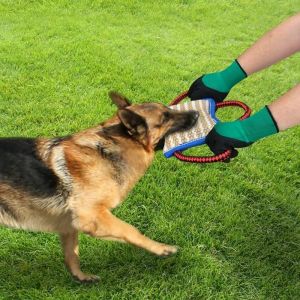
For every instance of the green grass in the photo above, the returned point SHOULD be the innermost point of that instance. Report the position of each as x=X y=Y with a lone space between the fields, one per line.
x=237 y=224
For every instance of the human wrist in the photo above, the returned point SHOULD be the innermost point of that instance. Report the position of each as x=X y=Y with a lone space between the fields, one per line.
x=224 y=80
x=250 y=130
x=260 y=125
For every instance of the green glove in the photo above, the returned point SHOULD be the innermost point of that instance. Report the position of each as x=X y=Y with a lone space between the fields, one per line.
x=241 y=133
x=217 y=85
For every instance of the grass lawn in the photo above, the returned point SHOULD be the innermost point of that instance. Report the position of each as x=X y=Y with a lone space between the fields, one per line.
x=237 y=225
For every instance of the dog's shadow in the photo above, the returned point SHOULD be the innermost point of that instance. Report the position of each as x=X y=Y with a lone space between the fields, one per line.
x=269 y=246
x=25 y=268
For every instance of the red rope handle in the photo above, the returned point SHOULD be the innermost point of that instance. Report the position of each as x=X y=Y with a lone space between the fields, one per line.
x=215 y=158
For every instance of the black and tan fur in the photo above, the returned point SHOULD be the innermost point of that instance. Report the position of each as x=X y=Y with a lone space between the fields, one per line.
x=70 y=185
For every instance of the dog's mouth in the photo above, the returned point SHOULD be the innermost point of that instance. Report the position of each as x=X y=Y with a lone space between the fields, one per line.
x=182 y=121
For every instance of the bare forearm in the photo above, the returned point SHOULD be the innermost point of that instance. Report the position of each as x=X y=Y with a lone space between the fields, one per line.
x=280 y=42
x=286 y=109
x=275 y=45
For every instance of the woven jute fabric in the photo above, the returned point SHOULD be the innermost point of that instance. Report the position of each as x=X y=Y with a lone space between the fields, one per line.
x=199 y=131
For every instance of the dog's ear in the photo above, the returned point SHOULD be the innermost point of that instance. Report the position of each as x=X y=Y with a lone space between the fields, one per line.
x=136 y=125
x=119 y=100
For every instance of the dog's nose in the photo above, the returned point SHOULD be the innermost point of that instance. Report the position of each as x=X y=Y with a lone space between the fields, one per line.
x=195 y=115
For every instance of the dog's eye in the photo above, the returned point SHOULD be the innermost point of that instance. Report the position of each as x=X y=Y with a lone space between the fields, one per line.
x=166 y=116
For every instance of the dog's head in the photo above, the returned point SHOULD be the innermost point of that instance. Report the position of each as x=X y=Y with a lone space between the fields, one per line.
x=149 y=123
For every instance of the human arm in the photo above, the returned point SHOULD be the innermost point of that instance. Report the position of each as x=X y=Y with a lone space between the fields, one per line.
x=275 y=45
x=280 y=115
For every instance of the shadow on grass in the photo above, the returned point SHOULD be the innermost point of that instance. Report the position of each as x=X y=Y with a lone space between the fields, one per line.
x=24 y=268
x=261 y=249
x=268 y=244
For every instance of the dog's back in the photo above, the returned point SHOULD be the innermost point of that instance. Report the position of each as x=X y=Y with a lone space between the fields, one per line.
x=27 y=185
x=21 y=167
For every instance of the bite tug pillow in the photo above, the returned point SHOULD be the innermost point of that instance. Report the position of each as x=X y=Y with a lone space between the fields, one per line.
x=196 y=135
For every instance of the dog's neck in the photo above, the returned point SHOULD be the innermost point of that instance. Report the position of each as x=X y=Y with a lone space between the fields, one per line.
x=136 y=158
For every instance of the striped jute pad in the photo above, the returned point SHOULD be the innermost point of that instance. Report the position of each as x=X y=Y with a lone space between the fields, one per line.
x=196 y=135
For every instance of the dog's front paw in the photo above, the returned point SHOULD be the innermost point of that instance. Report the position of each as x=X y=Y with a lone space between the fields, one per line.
x=165 y=250
x=86 y=278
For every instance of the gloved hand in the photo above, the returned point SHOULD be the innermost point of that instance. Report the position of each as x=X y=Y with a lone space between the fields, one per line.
x=241 y=133
x=217 y=85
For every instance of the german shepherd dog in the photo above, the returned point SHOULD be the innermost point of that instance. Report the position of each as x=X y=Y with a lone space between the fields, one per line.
x=70 y=184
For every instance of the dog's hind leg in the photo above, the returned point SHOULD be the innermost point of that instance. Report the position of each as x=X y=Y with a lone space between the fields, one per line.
x=110 y=227
x=70 y=247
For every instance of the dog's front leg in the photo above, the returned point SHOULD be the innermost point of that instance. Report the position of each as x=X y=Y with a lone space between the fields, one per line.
x=70 y=247
x=108 y=226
